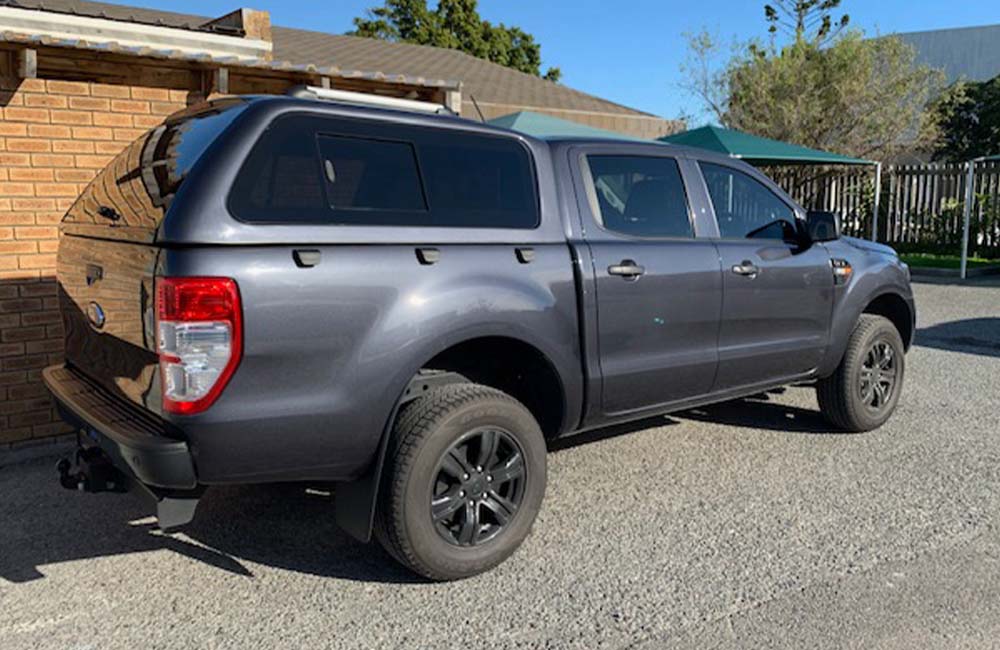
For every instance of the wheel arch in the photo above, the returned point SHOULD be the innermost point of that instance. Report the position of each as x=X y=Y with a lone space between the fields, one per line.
x=513 y=366
x=872 y=295
x=512 y=359
x=897 y=310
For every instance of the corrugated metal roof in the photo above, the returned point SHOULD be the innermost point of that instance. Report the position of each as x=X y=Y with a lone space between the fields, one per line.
x=138 y=16
x=112 y=47
x=971 y=53
x=486 y=81
x=186 y=53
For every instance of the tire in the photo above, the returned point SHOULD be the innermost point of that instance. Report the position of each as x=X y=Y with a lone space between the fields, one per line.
x=843 y=398
x=434 y=440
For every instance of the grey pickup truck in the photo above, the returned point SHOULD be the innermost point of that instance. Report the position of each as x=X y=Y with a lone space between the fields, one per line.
x=411 y=305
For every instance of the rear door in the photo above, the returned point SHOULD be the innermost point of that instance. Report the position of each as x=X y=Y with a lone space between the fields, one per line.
x=777 y=292
x=108 y=253
x=658 y=287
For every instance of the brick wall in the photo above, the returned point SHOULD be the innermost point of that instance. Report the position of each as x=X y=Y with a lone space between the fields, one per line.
x=54 y=137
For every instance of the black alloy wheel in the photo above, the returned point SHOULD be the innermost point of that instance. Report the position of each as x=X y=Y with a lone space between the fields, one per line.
x=877 y=376
x=478 y=487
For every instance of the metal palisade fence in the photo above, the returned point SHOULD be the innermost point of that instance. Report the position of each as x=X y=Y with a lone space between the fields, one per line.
x=921 y=205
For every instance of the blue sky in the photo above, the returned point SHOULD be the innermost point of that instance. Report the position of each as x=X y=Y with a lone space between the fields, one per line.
x=626 y=51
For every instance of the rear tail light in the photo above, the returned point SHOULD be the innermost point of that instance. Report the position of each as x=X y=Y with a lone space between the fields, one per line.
x=199 y=338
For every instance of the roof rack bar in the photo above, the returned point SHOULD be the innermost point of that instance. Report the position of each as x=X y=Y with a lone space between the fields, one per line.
x=366 y=99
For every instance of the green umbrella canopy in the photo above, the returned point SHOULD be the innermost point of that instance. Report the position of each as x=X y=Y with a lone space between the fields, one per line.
x=754 y=149
x=540 y=125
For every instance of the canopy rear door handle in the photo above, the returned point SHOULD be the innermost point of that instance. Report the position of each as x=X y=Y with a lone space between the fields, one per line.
x=95 y=274
x=747 y=269
x=627 y=269
x=306 y=258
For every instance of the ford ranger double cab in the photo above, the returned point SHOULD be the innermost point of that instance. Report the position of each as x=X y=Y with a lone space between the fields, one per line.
x=411 y=305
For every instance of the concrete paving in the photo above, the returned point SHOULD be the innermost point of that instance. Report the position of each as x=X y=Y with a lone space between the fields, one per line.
x=748 y=524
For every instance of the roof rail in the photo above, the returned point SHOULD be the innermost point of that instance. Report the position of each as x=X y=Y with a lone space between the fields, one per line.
x=366 y=99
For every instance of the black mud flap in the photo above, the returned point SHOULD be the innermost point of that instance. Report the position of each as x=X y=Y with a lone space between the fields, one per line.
x=356 y=501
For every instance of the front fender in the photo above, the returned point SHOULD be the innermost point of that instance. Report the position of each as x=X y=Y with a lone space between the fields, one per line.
x=875 y=274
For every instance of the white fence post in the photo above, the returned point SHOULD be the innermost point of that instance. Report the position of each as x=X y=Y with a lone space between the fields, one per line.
x=878 y=196
x=970 y=182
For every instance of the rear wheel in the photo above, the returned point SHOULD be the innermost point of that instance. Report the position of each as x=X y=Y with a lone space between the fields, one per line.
x=864 y=390
x=464 y=479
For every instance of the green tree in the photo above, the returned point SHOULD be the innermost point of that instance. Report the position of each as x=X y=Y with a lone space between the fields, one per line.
x=822 y=86
x=457 y=25
x=966 y=121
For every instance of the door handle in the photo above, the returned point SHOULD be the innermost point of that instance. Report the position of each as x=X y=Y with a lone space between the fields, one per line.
x=95 y=274
x=306 y=259
x=628 y=269
x=746 y=268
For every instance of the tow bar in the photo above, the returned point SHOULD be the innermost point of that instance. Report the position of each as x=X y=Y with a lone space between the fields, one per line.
x=93 y=472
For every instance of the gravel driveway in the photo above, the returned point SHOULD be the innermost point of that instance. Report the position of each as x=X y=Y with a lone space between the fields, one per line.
x=747 y=524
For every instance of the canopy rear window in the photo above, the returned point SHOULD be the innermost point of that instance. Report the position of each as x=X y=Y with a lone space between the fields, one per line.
x=136 y=188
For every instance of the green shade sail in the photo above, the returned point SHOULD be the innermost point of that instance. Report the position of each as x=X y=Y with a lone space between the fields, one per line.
x=737 y=144
x=539 y=125
x=757 y=150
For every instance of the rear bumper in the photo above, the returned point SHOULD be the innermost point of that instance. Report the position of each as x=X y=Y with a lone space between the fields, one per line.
x=137 y=443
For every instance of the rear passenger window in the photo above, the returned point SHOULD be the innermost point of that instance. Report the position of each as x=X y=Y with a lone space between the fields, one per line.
x=339 y=172
x=642 y=196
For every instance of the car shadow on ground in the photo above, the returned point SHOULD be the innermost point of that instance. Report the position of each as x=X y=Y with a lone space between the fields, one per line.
x=281 y=526
x=972 y=336
x=760 y=411
x=606 y=433
x=286 y=526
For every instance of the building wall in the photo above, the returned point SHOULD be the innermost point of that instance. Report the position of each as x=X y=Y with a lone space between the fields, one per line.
x=54 y=137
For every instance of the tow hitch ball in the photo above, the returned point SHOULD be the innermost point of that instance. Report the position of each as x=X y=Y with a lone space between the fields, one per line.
x=93 y=473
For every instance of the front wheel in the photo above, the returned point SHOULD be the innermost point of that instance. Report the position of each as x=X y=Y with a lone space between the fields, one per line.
x=464 y=480
x=864 y=390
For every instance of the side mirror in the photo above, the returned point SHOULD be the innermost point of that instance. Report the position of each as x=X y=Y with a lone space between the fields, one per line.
x=822 y=226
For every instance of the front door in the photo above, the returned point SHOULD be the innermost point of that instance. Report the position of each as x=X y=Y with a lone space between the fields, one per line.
x=658 y=288
x=777 y=292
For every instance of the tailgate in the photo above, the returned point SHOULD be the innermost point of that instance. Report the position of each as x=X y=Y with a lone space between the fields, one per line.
x=108 y=253
x=106 y=299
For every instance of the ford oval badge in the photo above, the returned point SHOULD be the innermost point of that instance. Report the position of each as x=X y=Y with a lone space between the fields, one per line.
x=96 y=315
